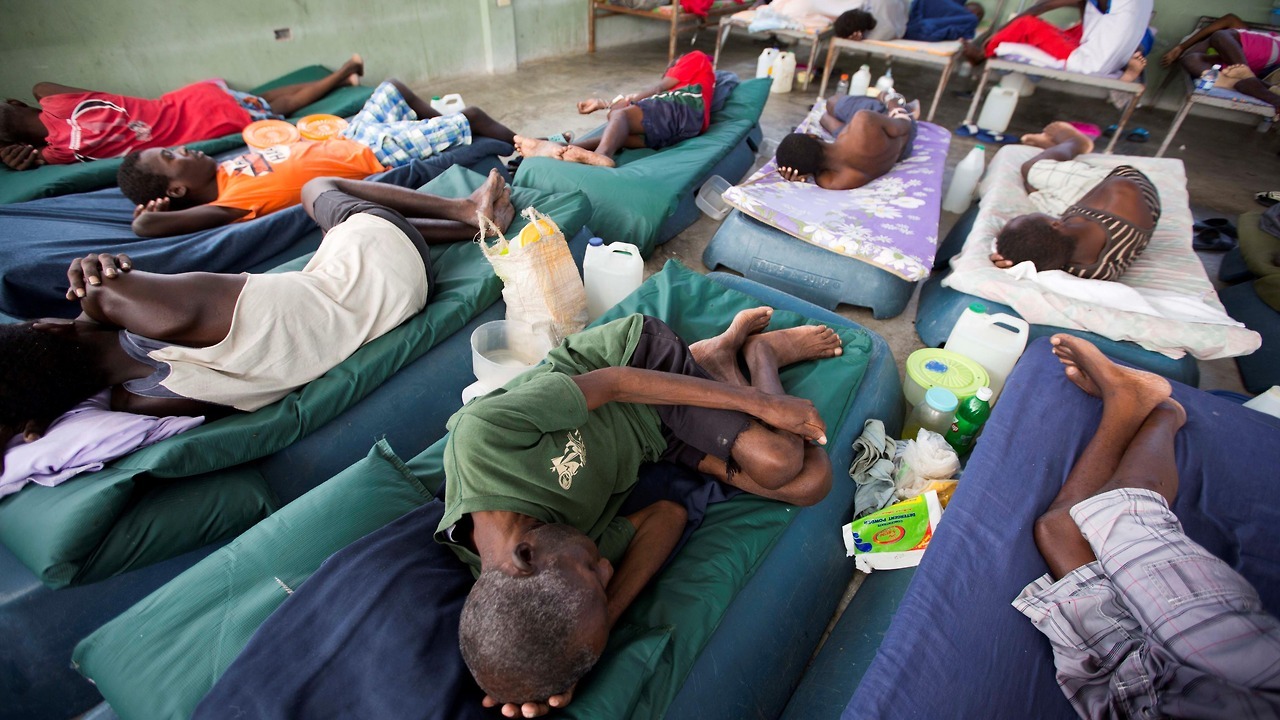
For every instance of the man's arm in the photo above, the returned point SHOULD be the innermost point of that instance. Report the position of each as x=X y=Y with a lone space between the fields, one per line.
x=1226 y=22
x=658 y=529
x=654 y=387
x=155 y=219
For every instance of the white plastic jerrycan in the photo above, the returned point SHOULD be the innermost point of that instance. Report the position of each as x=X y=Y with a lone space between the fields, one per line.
x=994 y=341
x=784 y=72
x=861 y=82
x=997 y=111
x=449 y=104
x=765 y=63
x=610 y=273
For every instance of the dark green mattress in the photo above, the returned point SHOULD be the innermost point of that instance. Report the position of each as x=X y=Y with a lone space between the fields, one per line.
x=195 y=489
x=159 y=659
x=51 y=180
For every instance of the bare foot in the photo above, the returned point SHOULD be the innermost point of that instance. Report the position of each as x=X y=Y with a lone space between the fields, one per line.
x=719 y=355
x=486 y=197
x=1056 y=133
x=537 y=147
x=797 y=344
x=503 y=211
x=973 y=52
x=1094 y=373
x=583 y=156
x=354 y=68
x=1137 y=63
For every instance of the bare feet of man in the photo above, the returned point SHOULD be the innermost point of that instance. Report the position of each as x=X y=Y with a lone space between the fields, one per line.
x=1137 y=391
x=1056 y=133
x=719 y=355
x=793 y=345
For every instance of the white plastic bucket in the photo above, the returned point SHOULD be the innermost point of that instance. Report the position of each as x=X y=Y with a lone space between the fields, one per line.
x=994 y=341
x=710 y=198
x=502 y=349
x=610 y=273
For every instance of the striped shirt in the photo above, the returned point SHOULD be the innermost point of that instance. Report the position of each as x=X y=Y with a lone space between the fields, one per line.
x=1125 y=240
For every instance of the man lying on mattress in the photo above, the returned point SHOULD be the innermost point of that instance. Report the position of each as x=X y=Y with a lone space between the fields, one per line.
x=534 y=477
x=77 y=125
x=1143 y=621
x=1111 y=36
x=871 y=136
x=1101 y=220
x=208 y=344
x=179 y=191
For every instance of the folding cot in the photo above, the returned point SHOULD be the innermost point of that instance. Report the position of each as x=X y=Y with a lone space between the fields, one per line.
x=52 y=180
x=682 y=21
x=742 y=21
x=944 y=55
x=690 y=645
x=114 y=534
x=866 y=247
x=954 y=645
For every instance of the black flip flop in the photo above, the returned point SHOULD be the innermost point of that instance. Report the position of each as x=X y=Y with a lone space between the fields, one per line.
x=1222 y=225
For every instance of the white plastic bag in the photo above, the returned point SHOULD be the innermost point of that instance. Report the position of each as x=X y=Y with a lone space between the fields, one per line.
x=922 y=461
x=540 y=281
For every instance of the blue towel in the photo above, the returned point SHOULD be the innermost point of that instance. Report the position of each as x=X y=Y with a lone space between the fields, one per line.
x=938 y=20
x=40 y=238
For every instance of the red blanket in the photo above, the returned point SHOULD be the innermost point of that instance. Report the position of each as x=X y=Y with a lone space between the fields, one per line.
x=700 y=7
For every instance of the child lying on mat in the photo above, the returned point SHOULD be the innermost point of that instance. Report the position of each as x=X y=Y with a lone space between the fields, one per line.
x=676 y=109
x=871 y=136
x=1106 y=217
x=178 y=191
x=208 y=344
x=535 y=475
x=77 y=125
x=1143 y=621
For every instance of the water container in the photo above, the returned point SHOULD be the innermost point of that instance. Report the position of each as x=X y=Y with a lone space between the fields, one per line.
x=997 y=111
x=502 y=349
x=1018 y=82
x=1268 y=402
x=965 y=180
x=784 y=72
x=710 y=198
x=1208 y=79
x=765 y=63
x=861 y=81
x=994 y=341
x=449 y=104
x=842 y=87
x=930 y=367
x=885 y=83
x=934 y=413
x=611 y=273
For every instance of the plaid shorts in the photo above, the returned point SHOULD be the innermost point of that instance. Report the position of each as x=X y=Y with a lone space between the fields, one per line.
x=389 y=127
x=1156 y=626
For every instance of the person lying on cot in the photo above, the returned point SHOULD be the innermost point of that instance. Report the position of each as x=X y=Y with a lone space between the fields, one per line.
x=849 y=19
x=1143 y=621
x=1102 y=43
x=676 y=109
x=210 y=344
x=535 y=473
x=1246 y=55
x=76 y=125
x=871 y=136
x=181 y=191
x=940 y=20
x=1104 y=217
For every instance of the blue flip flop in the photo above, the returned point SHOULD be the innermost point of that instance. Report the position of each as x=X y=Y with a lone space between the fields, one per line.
x=996 y=138
x=968 y=130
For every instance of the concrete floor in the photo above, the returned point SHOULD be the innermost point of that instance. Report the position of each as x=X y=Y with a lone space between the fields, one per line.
x=1227 y=162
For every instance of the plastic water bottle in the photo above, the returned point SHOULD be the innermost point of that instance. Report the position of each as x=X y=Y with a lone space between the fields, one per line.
x=842 y=87
x=935 y=413
x=1208 y=79
x=885 y=83
x=970 y=417
x=993 y=340
x=860 y=82
x=965 y=180
x=611 y=272
x=765 y=62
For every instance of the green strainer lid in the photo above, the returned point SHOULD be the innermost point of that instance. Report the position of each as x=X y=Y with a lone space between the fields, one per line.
x=932 y=367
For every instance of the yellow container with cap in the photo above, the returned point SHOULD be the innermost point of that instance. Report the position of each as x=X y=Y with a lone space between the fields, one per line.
x=932 y=367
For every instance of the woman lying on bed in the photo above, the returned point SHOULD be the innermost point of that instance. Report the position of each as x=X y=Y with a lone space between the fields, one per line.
x=1104 y=219
x=209 y=344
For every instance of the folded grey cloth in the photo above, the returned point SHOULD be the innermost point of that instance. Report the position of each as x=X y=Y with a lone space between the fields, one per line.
x=1270 y=221
x=872 y=469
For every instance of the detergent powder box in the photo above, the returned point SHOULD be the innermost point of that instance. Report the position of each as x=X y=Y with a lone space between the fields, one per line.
x=894 y=537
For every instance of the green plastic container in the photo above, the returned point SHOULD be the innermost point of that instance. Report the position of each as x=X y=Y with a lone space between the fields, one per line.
x=932 y=367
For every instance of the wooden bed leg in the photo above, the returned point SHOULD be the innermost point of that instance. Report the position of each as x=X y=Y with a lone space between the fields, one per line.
x=1124 y=119
x=1177 y=123
x=722 y=33
x=977 y=95
x=942 y=85
x=675 y=27
x=813 y=59
x=591 y=26
x=833 y=53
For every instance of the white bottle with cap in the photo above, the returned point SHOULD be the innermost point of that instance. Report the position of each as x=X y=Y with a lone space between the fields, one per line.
x=860 y=82
x=610 y=273
x=965 y=180
x=885 y=83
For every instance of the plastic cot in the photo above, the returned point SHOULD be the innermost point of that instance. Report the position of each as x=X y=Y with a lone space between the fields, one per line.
x=868 y=246
x=1253 y=301
x=649 y=197
x=707 y=661
x=681 y=20
x=999 y=65
x=742 y=21
x=943 y=55
x=955 y=646
x=193 y=493
x=1216 y=98
x=52 y=180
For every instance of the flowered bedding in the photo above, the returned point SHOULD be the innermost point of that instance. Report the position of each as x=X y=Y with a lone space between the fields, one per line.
x=891 y=223
x=1168 y=266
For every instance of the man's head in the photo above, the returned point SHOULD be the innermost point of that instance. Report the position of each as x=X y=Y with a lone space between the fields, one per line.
x=976 y=9
x=1036 y=237
x=532 y=627
x=176 y=173
x=20 y=123
x=803 y=153
x=850 y=22
x=45 y=370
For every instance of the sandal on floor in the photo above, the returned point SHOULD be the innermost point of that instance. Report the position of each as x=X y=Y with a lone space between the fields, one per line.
x=996 y=138
x=1267 y=198
x=1221 y=225
x=1210 y=240
x=1138 y=135
x=968 y=130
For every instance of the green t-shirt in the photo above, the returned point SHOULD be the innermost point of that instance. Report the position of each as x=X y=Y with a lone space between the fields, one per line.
x=533 y=448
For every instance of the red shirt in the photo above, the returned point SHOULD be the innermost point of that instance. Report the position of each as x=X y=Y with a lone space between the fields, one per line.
x=96 y=126
x=695 y=69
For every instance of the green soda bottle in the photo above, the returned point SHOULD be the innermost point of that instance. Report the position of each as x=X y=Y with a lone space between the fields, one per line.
x=970 y=417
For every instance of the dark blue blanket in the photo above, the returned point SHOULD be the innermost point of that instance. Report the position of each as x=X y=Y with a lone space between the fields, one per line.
x=374 y=632
x=956 y=647
x=39 y=239
x=938 y=20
